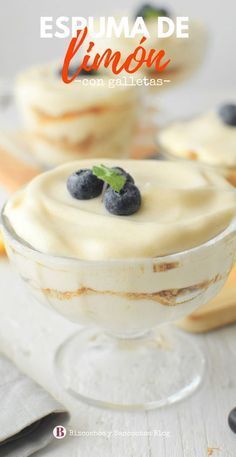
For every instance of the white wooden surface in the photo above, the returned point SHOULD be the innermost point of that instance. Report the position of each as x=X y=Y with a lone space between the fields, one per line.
x=29 y=335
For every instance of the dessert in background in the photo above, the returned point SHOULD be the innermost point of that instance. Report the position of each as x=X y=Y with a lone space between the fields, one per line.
x=186 y=54
x=70 y=121
x=209 y=138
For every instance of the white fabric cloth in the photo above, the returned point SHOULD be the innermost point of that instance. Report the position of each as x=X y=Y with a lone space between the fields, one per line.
x=28 y=414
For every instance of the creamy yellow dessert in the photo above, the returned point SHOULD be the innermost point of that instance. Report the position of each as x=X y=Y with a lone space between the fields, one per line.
x=209 y=138
x=124 y=273
x=103 y=243
x=77 y=120
x=205 y=138
x=181 y=207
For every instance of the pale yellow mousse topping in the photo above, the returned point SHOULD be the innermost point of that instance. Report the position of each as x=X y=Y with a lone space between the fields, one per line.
x=206 y=138
x=182 y=207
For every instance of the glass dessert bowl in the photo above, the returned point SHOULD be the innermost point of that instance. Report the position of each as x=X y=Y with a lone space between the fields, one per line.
x=124 y=358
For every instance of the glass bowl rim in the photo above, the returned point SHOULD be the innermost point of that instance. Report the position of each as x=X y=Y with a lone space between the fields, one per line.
x=7 y=226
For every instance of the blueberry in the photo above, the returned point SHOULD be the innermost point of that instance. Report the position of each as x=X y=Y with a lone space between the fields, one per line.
x=232 y=420
x=228 y=114
x=124 y=173
x=148 y=11
x=72 y=70
x=84 y=185
x=123 y=203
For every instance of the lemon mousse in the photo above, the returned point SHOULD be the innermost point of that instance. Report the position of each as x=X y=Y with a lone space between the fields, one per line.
x=179 y=207
x=123 y=247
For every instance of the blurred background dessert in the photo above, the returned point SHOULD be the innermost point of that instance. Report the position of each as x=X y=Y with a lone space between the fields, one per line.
x=69 y=121
x=185 y=54
x=209 y=138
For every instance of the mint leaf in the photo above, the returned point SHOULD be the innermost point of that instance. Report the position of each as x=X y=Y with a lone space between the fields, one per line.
x=110 y=176
x=152 y=13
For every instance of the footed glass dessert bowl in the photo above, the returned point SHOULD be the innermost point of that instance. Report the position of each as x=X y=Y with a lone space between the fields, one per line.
x=123 y=357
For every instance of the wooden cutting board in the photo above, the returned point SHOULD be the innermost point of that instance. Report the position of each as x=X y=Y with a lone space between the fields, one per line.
x=217 y=313
x=17 y=168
